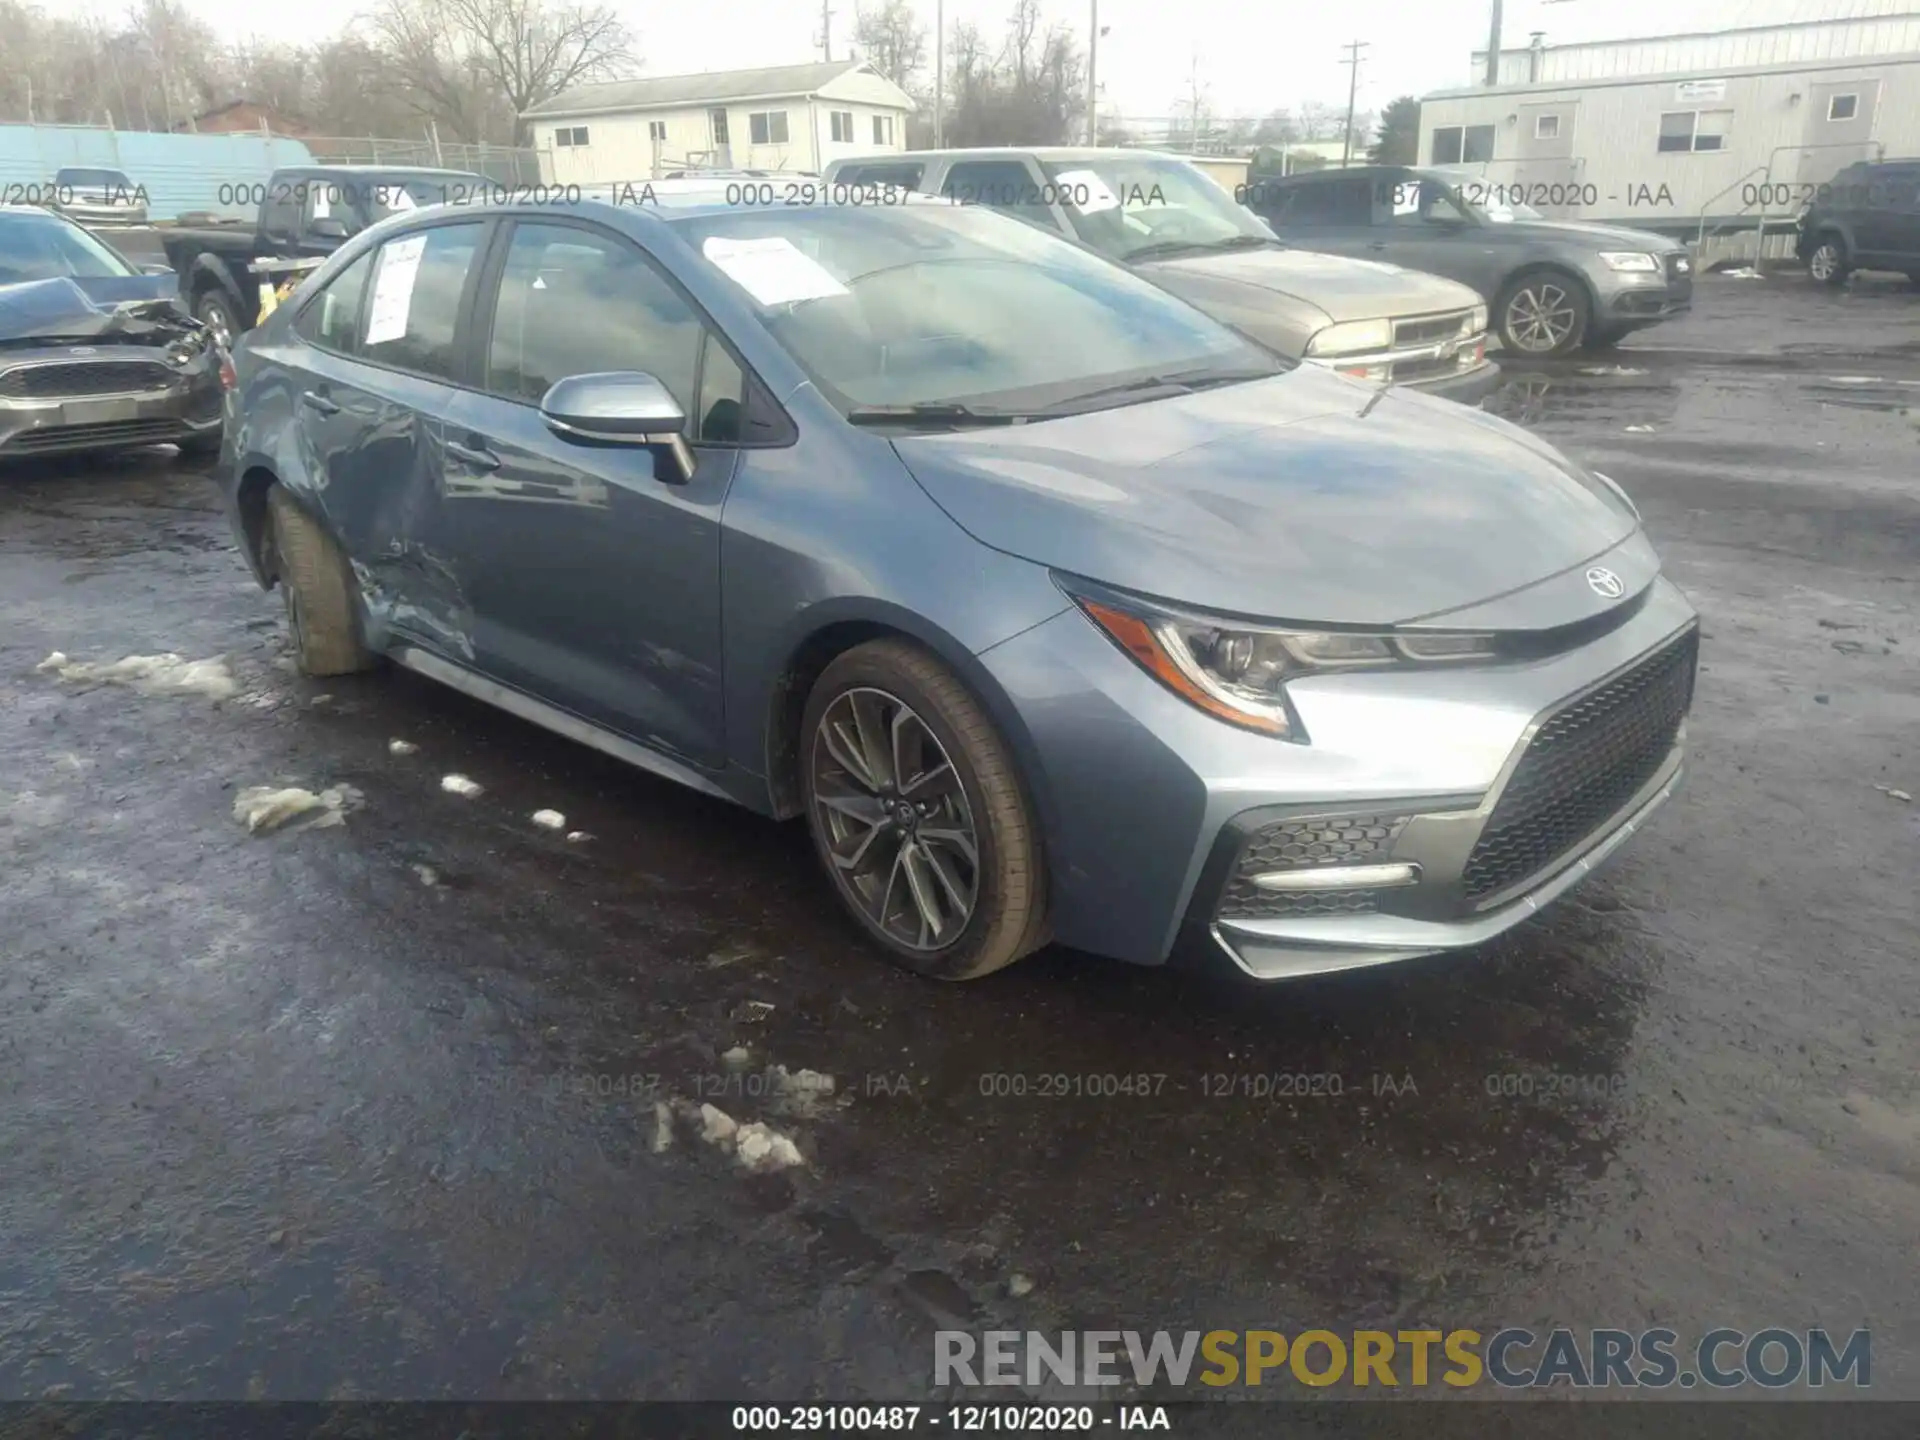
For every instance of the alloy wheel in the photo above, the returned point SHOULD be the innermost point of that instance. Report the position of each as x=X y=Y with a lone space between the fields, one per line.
x=1541 y=317
x=1824 y=261
x=898 y=829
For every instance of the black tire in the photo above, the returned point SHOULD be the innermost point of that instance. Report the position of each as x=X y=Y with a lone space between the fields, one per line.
x=318 y=586
x=1543 y=293
x=214 y=310
x=1007 y=918
x=1599 y=338
x=1827 y=262
x=200 y=447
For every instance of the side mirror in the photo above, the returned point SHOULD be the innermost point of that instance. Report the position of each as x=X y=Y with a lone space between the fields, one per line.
x=327 y=227
x=622 y=407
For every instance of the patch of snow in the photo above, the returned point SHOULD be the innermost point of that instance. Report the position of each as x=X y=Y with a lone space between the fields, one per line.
x=150 y=674
x=662 y=1127
x=578 y=837
x=1745 y=272
x=736 y=1058
x=760 y=1147
x=549 y=819
x=428 y=876
x=717 y=1127
x=1853 y=380
x=402 y=747
x=1893 y=794
x=267 y=807
x=1018 y=1285
x=459 y=785
x=1639 y=429
x=1611 y=370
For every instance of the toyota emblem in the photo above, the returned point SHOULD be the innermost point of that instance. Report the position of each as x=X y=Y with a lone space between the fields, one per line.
x=1605 y=583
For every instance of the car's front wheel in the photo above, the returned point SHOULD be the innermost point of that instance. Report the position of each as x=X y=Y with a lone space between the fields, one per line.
x=918 y=814
x=318 y=585
x=1828 y=261
x=1543 y=313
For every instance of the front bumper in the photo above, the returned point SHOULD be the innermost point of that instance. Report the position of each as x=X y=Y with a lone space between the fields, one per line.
x=1149 y=804
x=185 y=411
x=1635 y=299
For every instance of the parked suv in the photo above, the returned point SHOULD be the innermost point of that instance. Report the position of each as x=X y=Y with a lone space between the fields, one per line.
x=1169 y=220
x=1866 y=218
x=1554 y=285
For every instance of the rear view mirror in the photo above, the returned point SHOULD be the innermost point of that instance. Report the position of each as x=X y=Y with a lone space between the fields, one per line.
x=622 y=407
x=327 y=227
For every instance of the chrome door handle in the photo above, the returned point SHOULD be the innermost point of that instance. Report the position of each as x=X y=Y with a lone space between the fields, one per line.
x=313 y=400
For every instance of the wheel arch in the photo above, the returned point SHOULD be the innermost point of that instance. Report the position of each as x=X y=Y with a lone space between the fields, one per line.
x=250 y=508
x=830 y=629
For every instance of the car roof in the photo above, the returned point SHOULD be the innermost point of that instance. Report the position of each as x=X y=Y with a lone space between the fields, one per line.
x=689 y=197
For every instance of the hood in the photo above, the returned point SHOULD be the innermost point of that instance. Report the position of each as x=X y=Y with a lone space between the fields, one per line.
x=1610 y=237
x=144 y=309
x=1334 y=287
x=1307 y=497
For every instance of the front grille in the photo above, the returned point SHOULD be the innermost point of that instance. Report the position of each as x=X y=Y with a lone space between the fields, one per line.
x=84 y=377
x=1305 y=844
x=1407 y=371
x=1429 y=330
x=1582 y=765
x=79 y=437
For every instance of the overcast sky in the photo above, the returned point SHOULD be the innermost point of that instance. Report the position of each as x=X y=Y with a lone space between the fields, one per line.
x=1251 y=56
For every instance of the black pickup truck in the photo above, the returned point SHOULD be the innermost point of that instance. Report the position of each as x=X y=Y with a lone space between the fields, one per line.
x=231 y=273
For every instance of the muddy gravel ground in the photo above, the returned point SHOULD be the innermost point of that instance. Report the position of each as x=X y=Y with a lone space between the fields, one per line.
x=373 y=1109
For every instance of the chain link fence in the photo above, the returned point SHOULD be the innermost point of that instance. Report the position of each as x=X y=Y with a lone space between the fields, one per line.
x=506 y=164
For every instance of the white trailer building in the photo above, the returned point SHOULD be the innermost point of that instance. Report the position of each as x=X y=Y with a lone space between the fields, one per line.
x=1679 y=133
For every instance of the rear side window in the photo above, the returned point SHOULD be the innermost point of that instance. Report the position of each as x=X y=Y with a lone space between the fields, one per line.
x=1332 y=202
x=414 y=310
x=331 y=319
x=902 y=174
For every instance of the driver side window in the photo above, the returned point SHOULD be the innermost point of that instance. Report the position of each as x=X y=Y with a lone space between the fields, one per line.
x=575 y=302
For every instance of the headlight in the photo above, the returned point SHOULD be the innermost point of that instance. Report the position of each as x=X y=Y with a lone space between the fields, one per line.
x=1479 y=321
x=1629 y=260
x=1352 y=336
x=1238 y=672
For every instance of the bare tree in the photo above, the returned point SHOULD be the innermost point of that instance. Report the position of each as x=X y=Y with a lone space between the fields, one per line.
x=893 y=41
x=476 y=66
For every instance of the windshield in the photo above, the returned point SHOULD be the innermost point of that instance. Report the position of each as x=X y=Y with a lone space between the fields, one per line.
x=1124 y=205
x=45 y=247
x=929 y=304
x=93 y=179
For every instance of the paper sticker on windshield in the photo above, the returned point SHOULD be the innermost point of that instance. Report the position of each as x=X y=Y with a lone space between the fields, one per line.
x=772 y=270
x=1086 y=191
x=393 y=290
x=1406 y=198
x=398 y=199
x=322 y=201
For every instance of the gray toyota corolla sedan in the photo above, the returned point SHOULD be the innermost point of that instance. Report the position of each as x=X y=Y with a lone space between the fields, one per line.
x=1057 y=608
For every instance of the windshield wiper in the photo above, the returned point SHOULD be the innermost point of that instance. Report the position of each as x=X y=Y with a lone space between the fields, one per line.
x=1162 y=249
x=1171 y=384
x=933 y=413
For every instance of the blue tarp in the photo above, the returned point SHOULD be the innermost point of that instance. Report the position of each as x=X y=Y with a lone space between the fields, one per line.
x=220 y=174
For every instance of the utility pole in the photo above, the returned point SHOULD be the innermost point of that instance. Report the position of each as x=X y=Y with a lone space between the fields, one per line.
x=1493 y=48
x=939 y=73
x=826 y=31
x=1093 y=75
x=1353 y=89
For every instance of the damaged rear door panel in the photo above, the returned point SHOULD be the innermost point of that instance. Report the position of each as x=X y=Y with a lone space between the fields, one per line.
x=373 y=360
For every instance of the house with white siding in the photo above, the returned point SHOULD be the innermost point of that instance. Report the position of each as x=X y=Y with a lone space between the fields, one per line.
x=786 y=118
x=1672 y=132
